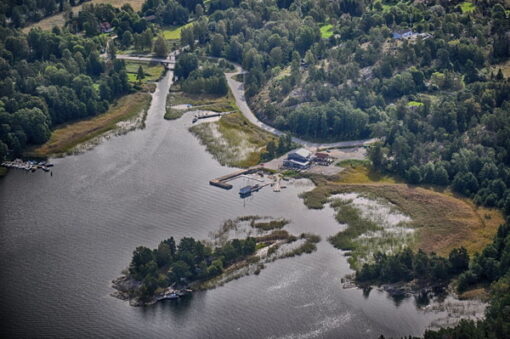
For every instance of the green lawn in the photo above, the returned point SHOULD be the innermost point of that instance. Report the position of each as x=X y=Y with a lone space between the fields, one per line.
x=326 y=31
x=174 y=33
x=467 y=7
x=152 y=71
x=415 y=104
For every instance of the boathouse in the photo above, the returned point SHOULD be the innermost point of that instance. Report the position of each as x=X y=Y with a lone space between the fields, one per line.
x=301 y=155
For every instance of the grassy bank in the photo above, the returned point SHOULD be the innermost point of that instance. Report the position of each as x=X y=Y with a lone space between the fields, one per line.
x=197 y=101
x=66 y=137
x=441 y=219
x=233 y=140
x=152 y=71
x=174 y=33
x=3 y=171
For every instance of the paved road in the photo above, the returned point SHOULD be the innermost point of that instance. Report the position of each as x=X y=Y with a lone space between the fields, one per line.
x=169 y=60
x=237 y=89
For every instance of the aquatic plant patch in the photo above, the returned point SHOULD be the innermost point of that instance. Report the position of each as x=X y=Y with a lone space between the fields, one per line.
x=372 y=225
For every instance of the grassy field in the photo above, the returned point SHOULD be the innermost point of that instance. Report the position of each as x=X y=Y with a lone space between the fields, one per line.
x=467 y=7
x=174 y=33
x=442 y=220
x=153 y=71
x=504 y=67
x=65 y=138
x=326 y=31
x=59 y=21
x=415 y=104
x=198 y=101
x=233 y=140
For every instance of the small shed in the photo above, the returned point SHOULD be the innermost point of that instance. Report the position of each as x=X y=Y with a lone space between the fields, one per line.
x=402 y=34
x=105 y=27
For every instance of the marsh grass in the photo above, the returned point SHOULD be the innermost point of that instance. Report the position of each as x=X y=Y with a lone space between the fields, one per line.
x=233 y=141
x=275 y=243
x=372 y=224
x=65 y=138
x=270 y=225
x=356 y=225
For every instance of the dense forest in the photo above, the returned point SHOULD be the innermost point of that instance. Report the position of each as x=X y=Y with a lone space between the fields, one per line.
x=438 y=98
x=20 y=13
x=48 y=78
x=407 y=266
x=177 y=265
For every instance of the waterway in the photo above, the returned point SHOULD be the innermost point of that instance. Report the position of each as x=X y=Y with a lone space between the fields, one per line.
x=63 y=238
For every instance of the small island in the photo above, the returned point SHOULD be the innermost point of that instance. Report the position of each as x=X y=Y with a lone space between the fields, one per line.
x=175 y=269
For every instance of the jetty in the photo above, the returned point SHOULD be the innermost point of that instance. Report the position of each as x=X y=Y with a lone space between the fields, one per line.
x=171 y=294
x=222 y=181
x=29 y=166
x=209 y=115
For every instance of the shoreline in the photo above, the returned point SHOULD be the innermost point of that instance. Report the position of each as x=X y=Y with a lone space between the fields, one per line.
x=66 y=139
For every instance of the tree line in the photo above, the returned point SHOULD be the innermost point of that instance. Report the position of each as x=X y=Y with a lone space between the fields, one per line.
x=490 y=268
x=173 y=264
x=19 y=13
x=48 y=78
x=406 y=266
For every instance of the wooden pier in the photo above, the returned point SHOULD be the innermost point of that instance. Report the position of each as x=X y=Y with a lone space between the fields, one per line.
x=222 y=181
x=209 y=115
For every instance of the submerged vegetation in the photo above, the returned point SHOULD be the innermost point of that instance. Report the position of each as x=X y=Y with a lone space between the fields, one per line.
x=441 y=221
x=372 y=224
x=233 y=140
x=207 y=264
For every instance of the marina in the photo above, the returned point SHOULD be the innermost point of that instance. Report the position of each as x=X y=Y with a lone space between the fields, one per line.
x=222 y=181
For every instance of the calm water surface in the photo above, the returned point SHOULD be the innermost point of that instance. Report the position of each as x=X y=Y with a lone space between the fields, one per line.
x=64 y=238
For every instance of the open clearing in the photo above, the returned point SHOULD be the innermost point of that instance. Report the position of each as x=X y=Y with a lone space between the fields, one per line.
x=65 y=138
x=326 y=31
x=177 y=99
x=174 y=33
x=152 y=71
x=442 y=220
x=59 y=20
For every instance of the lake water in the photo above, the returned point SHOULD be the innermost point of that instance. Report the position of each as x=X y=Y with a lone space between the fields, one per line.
x=63 y=238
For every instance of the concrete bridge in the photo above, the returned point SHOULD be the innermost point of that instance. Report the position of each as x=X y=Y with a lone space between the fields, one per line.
x=169 y=62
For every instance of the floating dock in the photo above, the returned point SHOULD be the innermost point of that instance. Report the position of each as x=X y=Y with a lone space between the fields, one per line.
x=248 y=190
